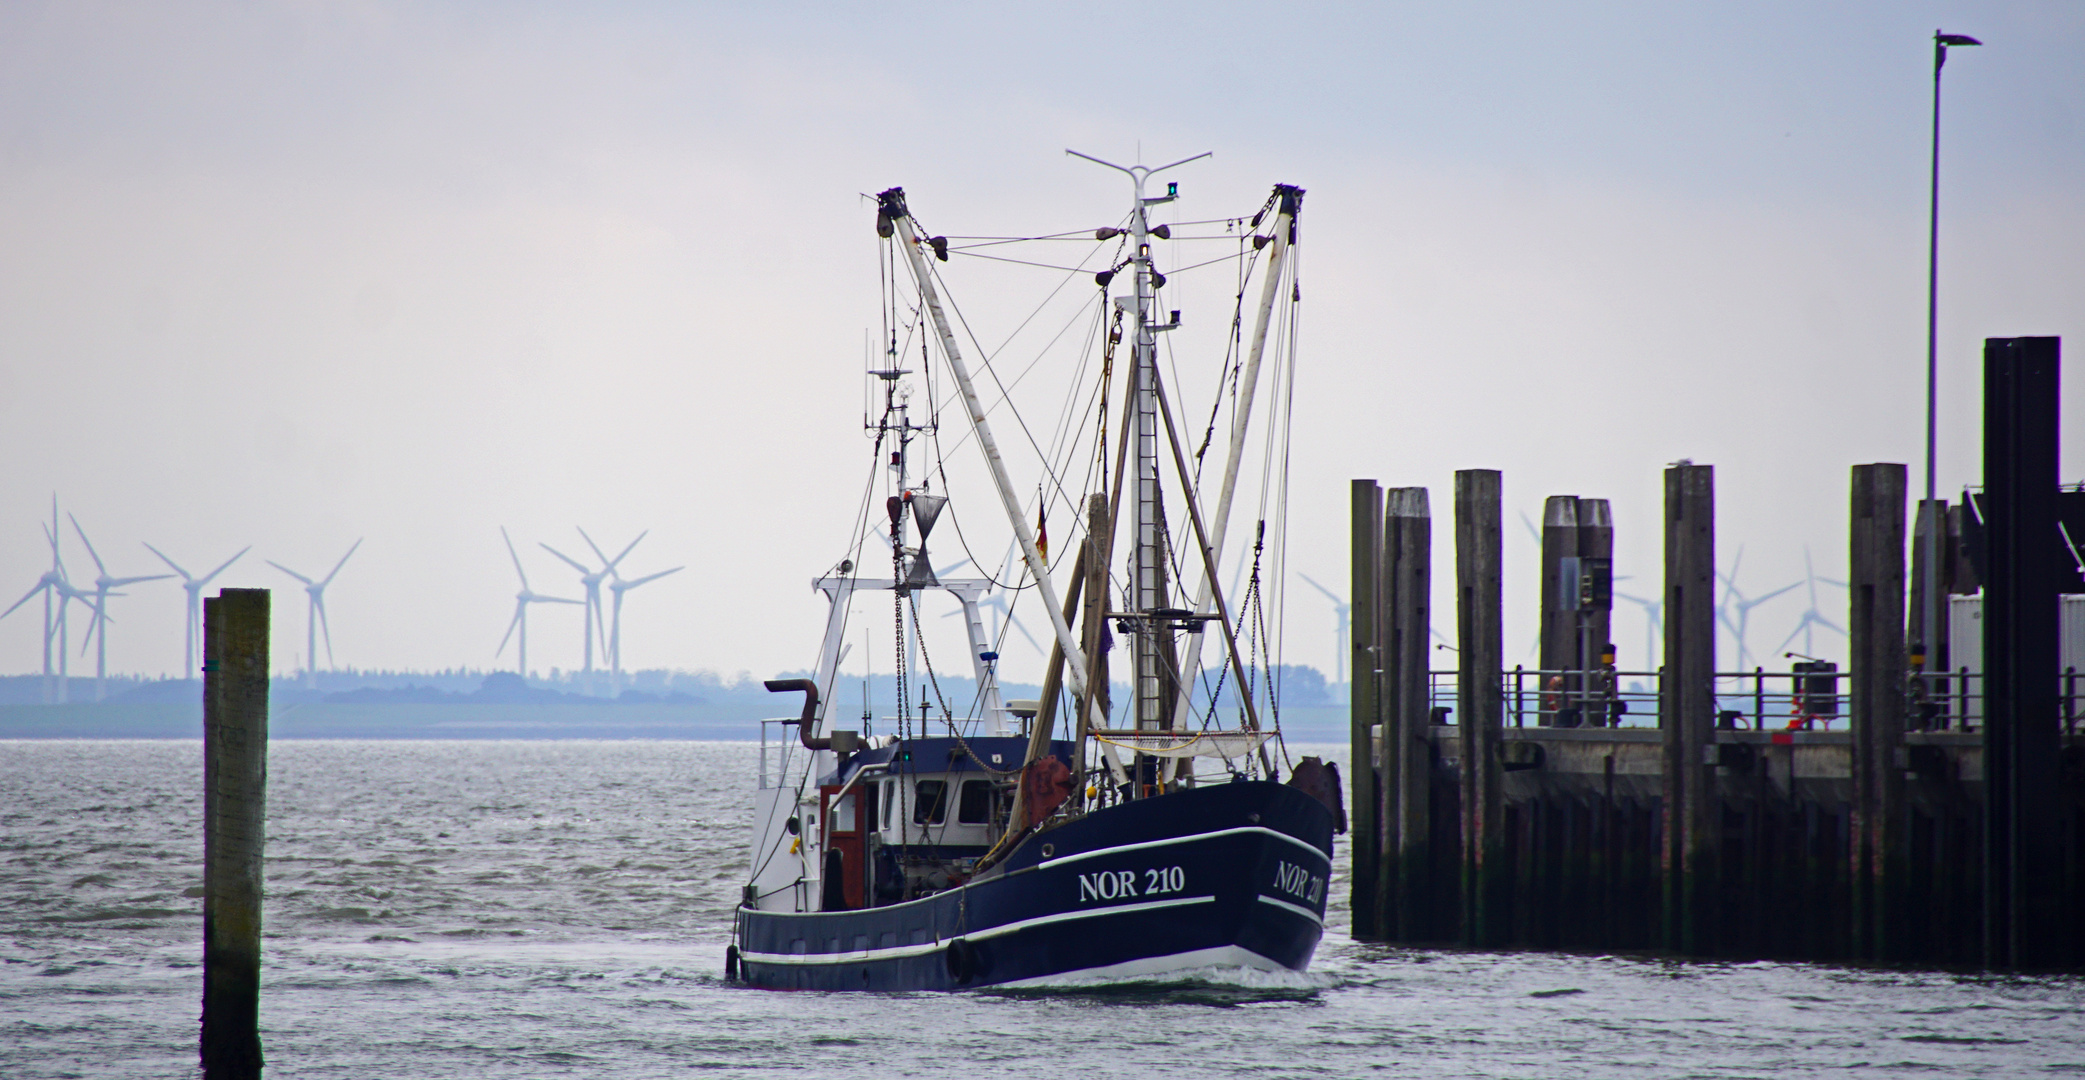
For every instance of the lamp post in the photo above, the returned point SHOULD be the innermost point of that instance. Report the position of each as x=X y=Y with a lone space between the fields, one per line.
x=1929 y=616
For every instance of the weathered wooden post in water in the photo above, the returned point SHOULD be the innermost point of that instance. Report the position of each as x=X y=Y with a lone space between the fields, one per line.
x=235 y=780
x=1687 y=706
x=1365 y=704
x=1406 y=879
x=1480 y=703
x=1875 y=627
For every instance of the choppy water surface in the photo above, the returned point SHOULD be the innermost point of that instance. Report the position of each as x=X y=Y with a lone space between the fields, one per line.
x=525 y=909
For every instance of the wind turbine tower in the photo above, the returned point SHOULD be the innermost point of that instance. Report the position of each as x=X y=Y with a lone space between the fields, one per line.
x=315 y=618
x=98 y=627
x=194 y=587
x=591 y=579
x=1341 y=609
x=522 y=600
x=55 y=588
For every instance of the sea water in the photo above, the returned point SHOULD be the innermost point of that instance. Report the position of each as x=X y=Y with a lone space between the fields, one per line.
x=489 y=909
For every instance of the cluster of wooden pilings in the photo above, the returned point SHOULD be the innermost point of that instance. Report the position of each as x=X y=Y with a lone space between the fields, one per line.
x=1885 y=841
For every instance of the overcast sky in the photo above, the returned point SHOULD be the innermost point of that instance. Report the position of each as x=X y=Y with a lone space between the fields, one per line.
x=293 y=274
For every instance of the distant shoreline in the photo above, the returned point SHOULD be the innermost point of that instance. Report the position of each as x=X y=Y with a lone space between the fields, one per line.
x=704 y=722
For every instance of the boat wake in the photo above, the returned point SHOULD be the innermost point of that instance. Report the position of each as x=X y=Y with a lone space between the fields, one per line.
x=1217 y=986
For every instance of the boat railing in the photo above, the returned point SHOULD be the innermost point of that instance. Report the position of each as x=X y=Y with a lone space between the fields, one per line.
x=782 y=744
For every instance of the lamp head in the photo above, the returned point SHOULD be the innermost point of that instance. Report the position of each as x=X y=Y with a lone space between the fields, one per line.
x=1941 y=42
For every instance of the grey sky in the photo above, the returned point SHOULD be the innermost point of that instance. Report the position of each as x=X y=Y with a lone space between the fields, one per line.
x=293 y=274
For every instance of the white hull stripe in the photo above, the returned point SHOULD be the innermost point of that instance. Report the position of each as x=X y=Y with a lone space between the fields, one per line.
x=1297 y=908
x=897 y=952
x=1148 y=844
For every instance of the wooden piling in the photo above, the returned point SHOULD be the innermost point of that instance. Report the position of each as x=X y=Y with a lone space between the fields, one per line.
x=1407 y=761
x=1480 y=639
x=235 y=779
x=1687 y=705
x=1364 y=828
x=1558 y=636
x=1875 y=626
x=2025 y=926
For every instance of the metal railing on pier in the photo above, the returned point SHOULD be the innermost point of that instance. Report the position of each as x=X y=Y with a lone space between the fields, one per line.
x=1812 y=697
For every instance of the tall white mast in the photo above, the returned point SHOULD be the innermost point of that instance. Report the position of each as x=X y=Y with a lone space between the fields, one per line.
x=892 y=209
x=1147 y=573
x=1289 y=205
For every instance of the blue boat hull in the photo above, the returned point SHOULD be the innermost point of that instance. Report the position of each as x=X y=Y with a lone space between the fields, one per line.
x=1227 y=874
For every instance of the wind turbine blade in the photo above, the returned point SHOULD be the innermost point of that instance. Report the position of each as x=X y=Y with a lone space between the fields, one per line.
x=569 y=561
x=335 y=574
x=1532 y=529
x=90 y=544
x=1771 y=595
x=626 y=551
x=212 y=575
x=1792 y=635
x=628 y=585
x=290 y=572
x=163 y=558
x=555 y=600
x=598 y=553
x=40 y=586
x=1830 y=625
x=1833 y=581
x=519 y=607
x=1016 y=624
x=951 y=568
x=134 y=580
x=1329 y=594
x=319 y=605
x=523 y=574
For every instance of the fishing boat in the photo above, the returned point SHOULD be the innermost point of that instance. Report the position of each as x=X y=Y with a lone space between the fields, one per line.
x=998 y=842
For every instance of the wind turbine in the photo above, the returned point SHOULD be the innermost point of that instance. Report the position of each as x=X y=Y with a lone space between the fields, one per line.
x=1341 y=609
x=1654 y=625
x=1738 y=601
x=618 y=587
x=1812 y=619
x=98 y=627
x=315 y=618
x=592 y=579
x=194 y=586
x=522 y=600
x=54 y=586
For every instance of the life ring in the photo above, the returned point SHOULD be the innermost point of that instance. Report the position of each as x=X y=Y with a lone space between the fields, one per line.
x=731 y=965
x=961 y=957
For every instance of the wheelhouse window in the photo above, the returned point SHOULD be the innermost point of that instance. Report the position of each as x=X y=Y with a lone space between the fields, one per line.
x=929 y=802
x=975 y=806
x=889 y=796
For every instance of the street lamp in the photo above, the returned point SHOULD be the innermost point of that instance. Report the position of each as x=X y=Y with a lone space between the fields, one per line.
x=1929 y=617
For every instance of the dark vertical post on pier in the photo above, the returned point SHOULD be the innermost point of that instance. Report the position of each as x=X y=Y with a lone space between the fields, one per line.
x=1687 y=705
x=2024 y=926
x=1875 y=627
x=1405 y=878
x=1363 y=694
x=1480 y=637
x=1596 y=541
x=1930 y=515
x=1558 y=635
x=235 y=780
